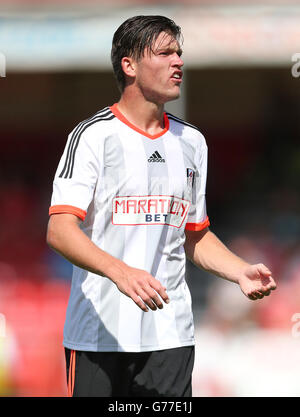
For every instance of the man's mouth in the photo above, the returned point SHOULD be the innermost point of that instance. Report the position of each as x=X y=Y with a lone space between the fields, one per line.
x=177 y=76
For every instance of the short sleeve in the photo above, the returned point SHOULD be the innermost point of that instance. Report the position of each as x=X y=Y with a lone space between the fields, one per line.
x=197 y=218
x=76 y=175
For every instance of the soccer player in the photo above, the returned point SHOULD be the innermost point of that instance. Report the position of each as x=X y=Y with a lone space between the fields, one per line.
x=128 y=206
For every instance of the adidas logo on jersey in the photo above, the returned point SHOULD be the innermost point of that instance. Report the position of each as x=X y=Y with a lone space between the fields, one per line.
x=155 y=157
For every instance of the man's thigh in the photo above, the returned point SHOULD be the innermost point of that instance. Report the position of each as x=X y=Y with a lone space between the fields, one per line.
x=166 y=373
x=96 y=374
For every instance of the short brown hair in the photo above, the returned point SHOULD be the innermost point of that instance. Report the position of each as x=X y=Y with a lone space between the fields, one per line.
x=136 y=34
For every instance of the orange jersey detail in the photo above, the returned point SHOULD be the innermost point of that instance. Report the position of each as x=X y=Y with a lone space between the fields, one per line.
x=196 y=227
x=67 y=209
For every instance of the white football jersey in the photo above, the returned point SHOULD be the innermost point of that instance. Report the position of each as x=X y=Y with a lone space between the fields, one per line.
x=136 y=194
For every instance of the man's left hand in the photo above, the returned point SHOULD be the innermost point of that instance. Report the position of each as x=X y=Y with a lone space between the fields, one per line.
x=256 y=281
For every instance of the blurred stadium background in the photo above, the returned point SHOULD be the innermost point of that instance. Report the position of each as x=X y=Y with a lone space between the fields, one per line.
x=242 y=93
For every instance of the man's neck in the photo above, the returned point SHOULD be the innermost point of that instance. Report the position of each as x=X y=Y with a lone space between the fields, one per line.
x=143 y=114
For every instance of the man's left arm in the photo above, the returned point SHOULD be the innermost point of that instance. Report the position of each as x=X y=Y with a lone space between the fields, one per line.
x=206 y=251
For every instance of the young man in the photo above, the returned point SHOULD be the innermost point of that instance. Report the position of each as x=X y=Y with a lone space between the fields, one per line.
x=128 y=205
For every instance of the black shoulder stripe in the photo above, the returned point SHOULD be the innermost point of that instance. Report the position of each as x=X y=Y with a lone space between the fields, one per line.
x=112 y=116
x=73 y=138
x=176 y=119
x=69 y=162
x=76 y=141
x=70 y=147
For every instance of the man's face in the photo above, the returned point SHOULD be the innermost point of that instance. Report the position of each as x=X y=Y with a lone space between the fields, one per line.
x=158 y=72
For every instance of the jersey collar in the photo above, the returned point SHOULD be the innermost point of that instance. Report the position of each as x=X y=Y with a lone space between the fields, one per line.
x=122 y=118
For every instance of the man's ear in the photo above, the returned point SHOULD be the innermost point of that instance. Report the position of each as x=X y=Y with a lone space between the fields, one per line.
x=128 y=66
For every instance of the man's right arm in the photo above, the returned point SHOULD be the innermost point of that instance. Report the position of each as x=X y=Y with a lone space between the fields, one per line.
x=65 y=237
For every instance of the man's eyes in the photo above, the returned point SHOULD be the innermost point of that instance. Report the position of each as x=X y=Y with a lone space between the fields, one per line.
x=179 y=53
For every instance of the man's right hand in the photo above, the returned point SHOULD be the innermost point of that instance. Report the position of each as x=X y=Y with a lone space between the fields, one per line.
x=65 y=237
x=143 y=289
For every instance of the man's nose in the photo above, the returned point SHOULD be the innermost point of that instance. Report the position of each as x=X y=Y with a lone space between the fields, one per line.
x=179 y=61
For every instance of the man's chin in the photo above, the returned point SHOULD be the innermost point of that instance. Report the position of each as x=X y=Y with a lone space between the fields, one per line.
x=165 y=97
x=173 y=96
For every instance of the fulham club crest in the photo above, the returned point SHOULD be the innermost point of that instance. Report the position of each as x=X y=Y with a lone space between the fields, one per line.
x=190 y=173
